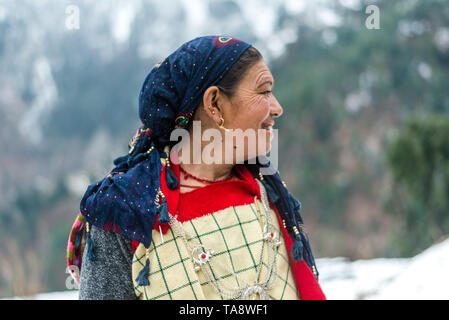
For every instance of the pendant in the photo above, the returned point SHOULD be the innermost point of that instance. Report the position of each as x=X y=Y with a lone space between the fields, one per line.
x=270 y=236
x=251 y=293
x=201 y=255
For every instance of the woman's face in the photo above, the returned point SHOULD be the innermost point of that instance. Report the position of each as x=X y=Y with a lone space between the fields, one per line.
x=253 y=108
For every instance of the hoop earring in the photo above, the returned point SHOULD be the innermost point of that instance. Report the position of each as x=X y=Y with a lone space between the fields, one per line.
x=221 y=125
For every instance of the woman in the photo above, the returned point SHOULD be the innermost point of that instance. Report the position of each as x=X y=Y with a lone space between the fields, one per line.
x=165 y=225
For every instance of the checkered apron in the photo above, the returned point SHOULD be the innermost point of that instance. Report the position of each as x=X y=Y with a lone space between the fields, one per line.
x=236 y=236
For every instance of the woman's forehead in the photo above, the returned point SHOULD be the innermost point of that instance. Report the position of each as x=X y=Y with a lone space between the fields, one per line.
x=259 y=73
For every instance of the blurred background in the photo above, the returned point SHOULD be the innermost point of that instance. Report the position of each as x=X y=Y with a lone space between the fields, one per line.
x=363 y=143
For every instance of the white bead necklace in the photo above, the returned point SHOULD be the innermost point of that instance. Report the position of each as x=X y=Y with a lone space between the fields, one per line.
x=203 y=259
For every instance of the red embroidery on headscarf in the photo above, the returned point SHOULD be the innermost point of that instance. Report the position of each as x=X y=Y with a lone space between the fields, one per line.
x=221 y=41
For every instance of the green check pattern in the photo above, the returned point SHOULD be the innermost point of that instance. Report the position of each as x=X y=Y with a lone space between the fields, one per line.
x=235 y=234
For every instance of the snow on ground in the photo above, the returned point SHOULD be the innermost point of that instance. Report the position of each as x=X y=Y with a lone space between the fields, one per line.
x=341 y=279
x=424 y=276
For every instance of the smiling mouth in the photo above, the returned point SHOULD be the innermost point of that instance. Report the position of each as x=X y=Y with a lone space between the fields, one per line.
x=268 y=127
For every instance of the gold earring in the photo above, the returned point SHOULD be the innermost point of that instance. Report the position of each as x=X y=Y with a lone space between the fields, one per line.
x=221 y=125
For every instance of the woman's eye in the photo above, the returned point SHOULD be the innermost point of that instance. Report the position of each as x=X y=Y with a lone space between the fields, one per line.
x=267 y=93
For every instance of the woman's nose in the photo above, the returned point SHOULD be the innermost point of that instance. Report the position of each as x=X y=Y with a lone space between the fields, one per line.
x=276 y=109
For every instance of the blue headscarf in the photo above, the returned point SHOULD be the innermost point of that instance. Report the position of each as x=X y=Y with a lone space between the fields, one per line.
x=127 y=200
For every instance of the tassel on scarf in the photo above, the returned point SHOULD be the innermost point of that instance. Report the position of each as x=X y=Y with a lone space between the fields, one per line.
x=163 y=212
x=295 y=203
x=297 y=249
x=89 y=244
x=170 y=178
x=172 y=181
x=142 y=278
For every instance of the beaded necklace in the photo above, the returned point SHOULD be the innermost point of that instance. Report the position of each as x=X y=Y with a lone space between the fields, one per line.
x=189 y=175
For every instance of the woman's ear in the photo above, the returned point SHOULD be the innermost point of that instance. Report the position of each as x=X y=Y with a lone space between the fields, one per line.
x=210 y=102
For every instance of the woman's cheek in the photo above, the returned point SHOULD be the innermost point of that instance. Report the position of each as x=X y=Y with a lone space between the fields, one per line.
x=265 y=105
x=252 y=112
x=260 y=109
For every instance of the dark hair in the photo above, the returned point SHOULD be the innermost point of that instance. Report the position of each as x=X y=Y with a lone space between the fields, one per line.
x=232 y=78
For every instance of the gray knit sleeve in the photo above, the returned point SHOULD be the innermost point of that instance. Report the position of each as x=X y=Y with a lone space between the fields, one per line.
x=108 y=276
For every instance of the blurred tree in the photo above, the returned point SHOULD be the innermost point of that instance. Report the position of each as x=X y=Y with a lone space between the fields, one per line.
x=419 y=161
x=344 y=87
